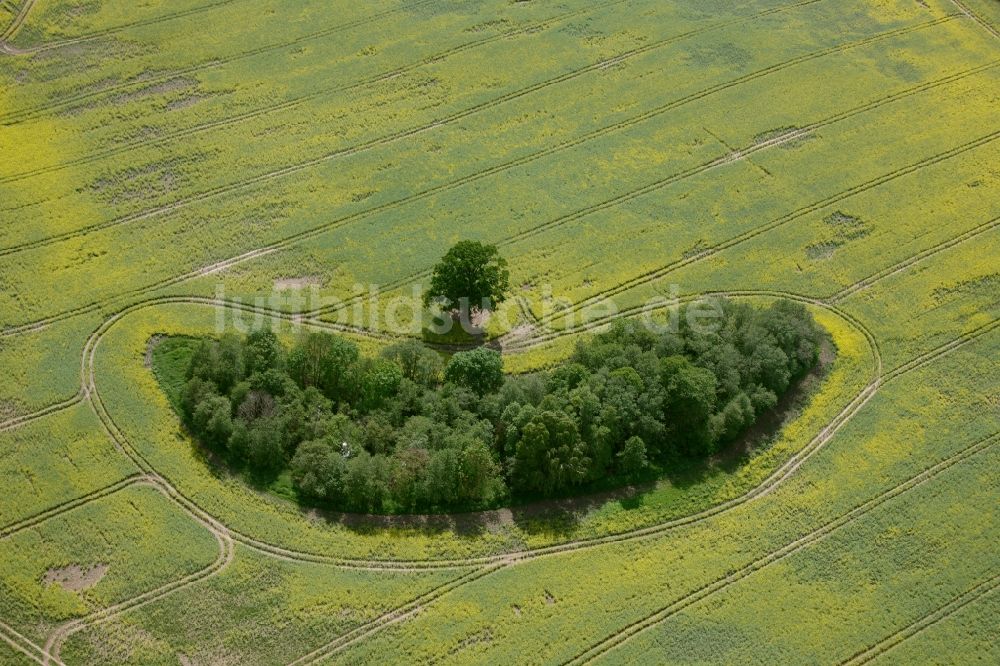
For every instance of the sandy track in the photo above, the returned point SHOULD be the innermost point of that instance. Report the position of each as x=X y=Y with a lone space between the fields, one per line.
x=26 y=646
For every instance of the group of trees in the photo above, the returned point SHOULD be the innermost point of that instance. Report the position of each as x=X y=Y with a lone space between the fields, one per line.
x=405 y=432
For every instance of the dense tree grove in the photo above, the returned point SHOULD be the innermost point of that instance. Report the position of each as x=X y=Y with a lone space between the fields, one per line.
x=404 y=432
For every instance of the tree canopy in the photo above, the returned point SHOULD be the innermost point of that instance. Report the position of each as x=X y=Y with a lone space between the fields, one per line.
x=471 y=276
x=405 y=432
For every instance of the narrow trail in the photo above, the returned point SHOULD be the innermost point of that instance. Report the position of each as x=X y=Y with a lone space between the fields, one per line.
x=28 y=113
x=617 y=639
x=976 y=17
x=956 y=604
x=12 y=29
x=519 y=342
x=394 y=616
x=721 y=161
x=26 y=646
x=283 y=172
x=658 y=273
x=644 y=278
x=294 y=102
x=483 y=565
x=25 y=419
x=57 y=638
x=77 y=502
x=31 y=50
x=901 y=266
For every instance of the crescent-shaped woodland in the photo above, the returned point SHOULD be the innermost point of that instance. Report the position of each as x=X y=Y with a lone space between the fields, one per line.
x=357 y=486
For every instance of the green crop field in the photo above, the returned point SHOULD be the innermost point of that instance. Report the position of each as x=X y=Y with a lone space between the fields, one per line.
x=176 y=167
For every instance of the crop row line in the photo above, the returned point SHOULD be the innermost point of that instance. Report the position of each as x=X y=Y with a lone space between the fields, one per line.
x=25 y=645
x=930 y=619
x=296 y=101
x=28 y=113
x=110 y=31
x=658 y=273
x=69 y=505
x=94 y=306
x=723 y=160
x=224 y=558
x=778 y=475
x=976 y=17
x=901 y=266
x=291 y=240
x=618 y=638
x=221 y=532
x=394 y=616
x=268 y=176
x=24 y=419
x=17 y=22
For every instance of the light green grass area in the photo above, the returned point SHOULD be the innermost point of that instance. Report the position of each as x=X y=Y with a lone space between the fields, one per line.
x=165 y=165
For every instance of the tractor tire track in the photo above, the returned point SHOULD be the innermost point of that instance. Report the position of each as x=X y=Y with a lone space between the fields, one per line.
x=656 y=274
x=24 y=419
x=615 y=640
x=290 y=241
x=488 y=565
x=937 y=615
x=778 y=475
x=65 y=507
x=901 y=266
x=721 y=161
x=15 y=25
x=31 y=50
x=296 y=101
x=395 y=616
x=296 y=168
x=225 y=557
x=25 y=645
x=976 y=17
x=28 y=113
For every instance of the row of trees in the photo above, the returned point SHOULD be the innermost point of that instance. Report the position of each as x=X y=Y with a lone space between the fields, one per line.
x=405 y=432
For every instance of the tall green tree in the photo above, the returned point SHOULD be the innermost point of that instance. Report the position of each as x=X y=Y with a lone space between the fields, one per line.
x=472 y=274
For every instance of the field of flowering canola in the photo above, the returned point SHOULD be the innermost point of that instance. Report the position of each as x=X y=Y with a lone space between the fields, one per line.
x=168 y=164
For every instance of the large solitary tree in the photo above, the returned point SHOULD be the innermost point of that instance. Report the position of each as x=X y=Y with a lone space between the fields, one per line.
x=471 y=275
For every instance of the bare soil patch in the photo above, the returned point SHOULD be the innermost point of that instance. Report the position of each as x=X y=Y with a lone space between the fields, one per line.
x=288 y=284
x=74 y=577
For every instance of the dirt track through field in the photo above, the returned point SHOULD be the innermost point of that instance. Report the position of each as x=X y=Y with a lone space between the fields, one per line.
x=266 y=177
x=927 y=621
x=484 y=566
x=789 y=549
x=642 y=279
x=294 y=102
